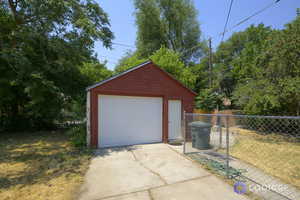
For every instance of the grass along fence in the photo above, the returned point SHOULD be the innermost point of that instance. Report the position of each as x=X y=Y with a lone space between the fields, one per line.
x=259 y=150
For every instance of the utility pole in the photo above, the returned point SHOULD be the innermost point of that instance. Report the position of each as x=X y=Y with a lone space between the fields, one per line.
x=210 y=63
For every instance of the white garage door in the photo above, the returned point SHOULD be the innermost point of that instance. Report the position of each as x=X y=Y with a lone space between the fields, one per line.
x=125 y=120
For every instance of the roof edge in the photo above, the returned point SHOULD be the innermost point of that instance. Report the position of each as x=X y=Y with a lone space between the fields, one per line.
x=137 y=67
x=118 y=75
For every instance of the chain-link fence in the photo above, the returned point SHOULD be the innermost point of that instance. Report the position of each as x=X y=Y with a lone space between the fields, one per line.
x=261 y=151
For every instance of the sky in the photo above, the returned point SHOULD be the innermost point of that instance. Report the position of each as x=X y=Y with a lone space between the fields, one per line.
x=211 y=15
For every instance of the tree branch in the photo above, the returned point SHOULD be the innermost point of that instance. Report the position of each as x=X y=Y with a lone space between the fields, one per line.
x=13 y=7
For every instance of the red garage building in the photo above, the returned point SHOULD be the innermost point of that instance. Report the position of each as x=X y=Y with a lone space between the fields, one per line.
x=144 y=104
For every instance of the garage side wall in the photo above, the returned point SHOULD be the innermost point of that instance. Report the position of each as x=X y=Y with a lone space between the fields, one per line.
x=88 y=119
x=148 y=81
x=94 y=119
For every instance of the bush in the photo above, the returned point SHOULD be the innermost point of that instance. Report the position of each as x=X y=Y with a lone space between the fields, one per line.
x=209 y=100
x=78 y=135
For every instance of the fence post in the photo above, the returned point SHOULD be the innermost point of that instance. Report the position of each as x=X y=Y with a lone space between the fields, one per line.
x=219 y=121
x=227 y=146
x=184 y=132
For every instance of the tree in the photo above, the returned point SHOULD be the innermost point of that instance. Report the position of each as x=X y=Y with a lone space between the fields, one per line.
x=172 y=24
x=270 y=78
x=258 y=69
x=234 y=57
x=42 y=46
x=165 y=58
x=150 y=36
x=128 y=61
x=95 y=72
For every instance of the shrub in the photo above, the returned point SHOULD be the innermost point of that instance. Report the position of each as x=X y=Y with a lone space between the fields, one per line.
x=78 y=135
x=209 y=100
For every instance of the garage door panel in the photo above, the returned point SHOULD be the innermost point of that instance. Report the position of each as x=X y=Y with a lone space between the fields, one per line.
x=127 y=120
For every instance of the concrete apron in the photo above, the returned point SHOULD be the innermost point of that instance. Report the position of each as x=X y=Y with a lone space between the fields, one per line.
x=152 y=171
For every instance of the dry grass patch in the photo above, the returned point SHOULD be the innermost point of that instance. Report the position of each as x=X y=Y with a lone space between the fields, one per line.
x=277 y=155
x=40 y=165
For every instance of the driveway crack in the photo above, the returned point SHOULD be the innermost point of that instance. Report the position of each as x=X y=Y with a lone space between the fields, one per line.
x=153 y=172
x=150 y=195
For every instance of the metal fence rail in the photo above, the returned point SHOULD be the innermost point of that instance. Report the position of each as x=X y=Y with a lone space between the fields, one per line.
x=261 y=151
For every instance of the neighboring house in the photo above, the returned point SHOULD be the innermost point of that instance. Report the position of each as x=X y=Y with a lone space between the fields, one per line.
x=144 y=104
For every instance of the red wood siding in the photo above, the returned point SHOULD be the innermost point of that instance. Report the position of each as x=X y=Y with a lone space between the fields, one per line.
x=148 y=80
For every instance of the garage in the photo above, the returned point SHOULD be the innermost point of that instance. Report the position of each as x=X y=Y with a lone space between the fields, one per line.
x=142 y=105
x=127 y=120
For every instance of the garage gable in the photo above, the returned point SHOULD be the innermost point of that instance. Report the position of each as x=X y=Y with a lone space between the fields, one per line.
x=145 y=78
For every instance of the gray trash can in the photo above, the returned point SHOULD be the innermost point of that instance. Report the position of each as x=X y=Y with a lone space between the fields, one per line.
x=200 y=134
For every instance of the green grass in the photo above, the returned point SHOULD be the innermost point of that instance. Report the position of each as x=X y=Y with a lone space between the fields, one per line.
x=41 y=165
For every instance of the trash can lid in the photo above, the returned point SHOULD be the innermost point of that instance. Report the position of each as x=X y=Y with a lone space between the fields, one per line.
x=200 y=124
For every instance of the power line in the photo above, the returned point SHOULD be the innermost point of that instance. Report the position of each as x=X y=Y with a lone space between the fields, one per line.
x=254 y=14
x=237 y=24
x=104 y=58
x=108 y=57
x=190 y=49
x=249 y=17
x=220 y=34
x=228 y=15
x=123 y=45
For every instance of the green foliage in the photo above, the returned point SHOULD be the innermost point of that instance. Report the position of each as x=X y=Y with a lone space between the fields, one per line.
x=172 y=24
x=209 y=100
x=201 y=71
x=258 y=69
x=234 y=58
x=43 y=44
x=128 y=61
x=95 y=72
x=75 y=110
x=92 y=72
x=150 y=35
x=258 y=97
x=269 y=82
x=77 y=135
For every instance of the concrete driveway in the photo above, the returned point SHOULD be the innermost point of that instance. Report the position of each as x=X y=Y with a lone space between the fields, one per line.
x=150 y=172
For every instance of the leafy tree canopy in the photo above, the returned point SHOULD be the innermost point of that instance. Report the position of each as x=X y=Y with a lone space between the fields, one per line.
x=270 y=82
x=234 y=57
x=42 y=46
x=172 y=24
x=95 y=72
x=257 y=69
